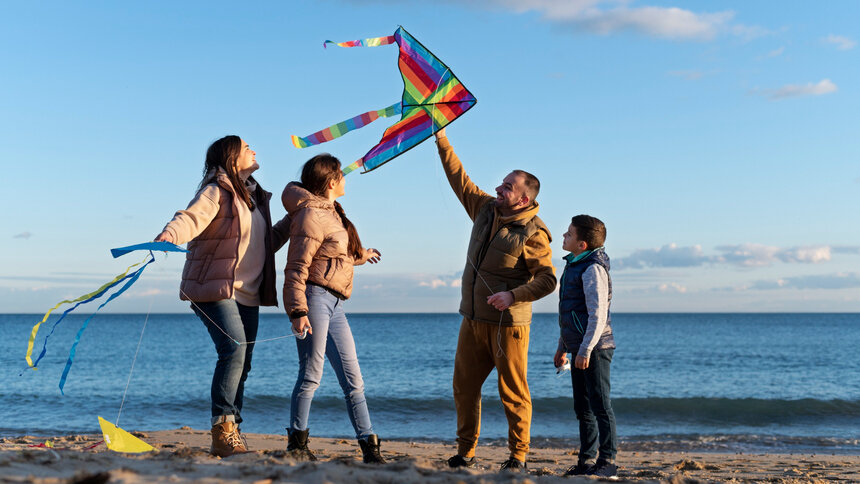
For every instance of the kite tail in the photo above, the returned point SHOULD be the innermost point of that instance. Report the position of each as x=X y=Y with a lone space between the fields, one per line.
x=132 y=279
x=374 y=42
x=80 y=300
x=340 y=129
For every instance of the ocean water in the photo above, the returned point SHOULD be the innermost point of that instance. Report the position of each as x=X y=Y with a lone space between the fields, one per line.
x=721 y=382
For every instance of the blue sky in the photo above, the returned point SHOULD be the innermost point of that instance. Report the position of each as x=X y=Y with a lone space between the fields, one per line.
x=713 y=138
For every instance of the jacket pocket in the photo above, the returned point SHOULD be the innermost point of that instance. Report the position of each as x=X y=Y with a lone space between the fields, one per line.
x=330 y=269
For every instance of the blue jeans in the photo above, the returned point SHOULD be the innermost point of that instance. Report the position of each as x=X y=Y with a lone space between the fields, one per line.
x=234 y=360
x=331 y=337
x=594 y=409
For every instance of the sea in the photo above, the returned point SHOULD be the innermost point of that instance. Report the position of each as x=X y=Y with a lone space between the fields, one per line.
x=684 y=382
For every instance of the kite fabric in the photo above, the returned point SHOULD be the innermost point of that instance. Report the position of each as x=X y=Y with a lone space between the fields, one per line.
x=118 y=440
x=432 y=98
x=129 y=278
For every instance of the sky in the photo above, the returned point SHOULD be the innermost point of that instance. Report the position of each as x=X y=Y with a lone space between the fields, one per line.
x=712 y=138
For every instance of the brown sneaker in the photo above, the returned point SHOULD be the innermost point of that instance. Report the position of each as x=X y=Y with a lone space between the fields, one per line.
x=226 y=440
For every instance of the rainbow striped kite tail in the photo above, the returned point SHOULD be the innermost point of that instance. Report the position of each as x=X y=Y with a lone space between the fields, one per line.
x=354 y=166
x=299 y=142
x=372 y=42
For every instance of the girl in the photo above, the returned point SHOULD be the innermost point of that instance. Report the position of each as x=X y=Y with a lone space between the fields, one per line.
x=229 y=273
x=324 y=248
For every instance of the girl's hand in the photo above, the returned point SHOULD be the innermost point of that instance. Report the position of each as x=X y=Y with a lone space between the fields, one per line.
x=301 y=324
x=372 y=255
x=164 y=237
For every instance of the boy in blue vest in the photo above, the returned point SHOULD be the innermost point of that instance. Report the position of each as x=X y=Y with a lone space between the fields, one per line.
x=585 y=292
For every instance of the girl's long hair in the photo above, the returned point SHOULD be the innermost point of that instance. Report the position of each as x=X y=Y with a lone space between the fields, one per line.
x=223 y=154
x=316 y=175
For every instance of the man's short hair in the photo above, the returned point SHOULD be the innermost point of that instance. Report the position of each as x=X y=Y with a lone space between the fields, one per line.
x=531 y=182
x=589 y=230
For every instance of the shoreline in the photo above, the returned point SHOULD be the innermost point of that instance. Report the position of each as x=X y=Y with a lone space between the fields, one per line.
x=181 y=455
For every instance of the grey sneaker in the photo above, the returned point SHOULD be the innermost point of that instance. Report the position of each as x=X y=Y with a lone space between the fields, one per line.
x=460 y=461
x=514 y=465
x=606 y=470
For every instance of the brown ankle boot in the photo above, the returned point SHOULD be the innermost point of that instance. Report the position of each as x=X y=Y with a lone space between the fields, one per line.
x=226 y=440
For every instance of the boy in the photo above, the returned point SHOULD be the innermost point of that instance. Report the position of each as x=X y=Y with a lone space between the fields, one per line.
x=585 y=292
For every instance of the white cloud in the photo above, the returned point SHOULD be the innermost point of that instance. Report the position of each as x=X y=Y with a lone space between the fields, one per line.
x=433 y=284
x=758 y=255
x=742 y=255
x=671 y=288
x=841 y=42
x=839 y=280
x=22 y=235
x=776 y=52
x=669 y=255
x=824 y=86
x=606 y=17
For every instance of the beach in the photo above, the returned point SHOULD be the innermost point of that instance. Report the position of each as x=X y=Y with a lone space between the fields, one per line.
x=181 y=456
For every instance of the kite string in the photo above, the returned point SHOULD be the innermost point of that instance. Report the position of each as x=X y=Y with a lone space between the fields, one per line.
x=234 y=340
x=132 y=363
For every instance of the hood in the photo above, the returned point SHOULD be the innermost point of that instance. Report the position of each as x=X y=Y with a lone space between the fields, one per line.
x=295 y=197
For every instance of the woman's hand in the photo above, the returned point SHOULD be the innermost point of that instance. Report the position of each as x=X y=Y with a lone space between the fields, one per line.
x=164 y=237
x=372 y=255
x=301 y=324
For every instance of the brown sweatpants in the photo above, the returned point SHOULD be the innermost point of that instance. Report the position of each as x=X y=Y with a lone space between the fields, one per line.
x=478 y=352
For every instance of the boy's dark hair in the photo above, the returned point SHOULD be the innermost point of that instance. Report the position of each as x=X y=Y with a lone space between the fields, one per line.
x=589 y=230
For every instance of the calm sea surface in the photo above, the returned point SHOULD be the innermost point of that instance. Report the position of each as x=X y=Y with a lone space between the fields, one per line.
x=722 y=382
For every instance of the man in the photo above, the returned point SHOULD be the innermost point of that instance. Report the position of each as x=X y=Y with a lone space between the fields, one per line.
x=509 y=265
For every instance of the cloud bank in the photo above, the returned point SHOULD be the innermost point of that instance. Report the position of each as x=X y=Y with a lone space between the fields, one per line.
x=740 y=255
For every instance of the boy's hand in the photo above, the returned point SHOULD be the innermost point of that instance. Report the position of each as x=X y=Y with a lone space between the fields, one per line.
x=440 y=134
x=501 y=300
x=581 y=362
x=560 y=358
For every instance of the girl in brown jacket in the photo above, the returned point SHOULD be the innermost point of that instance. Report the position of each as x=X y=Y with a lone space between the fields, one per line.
x=324 y=247
x=229 y=272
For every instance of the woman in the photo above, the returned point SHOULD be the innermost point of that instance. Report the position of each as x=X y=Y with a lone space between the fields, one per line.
x=229 y=273
x=324 y=248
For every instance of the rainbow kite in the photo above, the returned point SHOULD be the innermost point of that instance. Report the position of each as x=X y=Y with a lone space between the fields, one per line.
x=433 y=97
x=127 y=276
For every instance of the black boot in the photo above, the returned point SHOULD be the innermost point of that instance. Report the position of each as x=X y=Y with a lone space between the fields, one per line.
x=370 y=450
x=297 y=445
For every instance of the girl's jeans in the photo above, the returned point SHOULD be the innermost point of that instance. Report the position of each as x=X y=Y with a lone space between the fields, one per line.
x=234 y=360
x=331 y=337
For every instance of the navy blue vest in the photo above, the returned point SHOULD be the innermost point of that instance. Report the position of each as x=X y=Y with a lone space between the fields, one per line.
x=572 y=310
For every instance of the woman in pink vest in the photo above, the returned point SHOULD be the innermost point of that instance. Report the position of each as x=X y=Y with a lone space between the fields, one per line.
x=229 y=272
x=324 y=247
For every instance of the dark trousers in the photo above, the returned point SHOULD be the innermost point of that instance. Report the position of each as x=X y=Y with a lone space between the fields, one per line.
x=594 y=409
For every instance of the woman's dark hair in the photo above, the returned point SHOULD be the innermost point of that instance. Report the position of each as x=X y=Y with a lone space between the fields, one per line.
x=316 y=175
x=589 y=230
x=223 y=154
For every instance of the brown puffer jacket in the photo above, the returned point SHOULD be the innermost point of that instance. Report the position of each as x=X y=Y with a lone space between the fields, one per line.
x=318 y=249
x=211 y=226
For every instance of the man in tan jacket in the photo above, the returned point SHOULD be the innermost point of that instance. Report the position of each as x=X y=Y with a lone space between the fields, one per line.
x=509 y=265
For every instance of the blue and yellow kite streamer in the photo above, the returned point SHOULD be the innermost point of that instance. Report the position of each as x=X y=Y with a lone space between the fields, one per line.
x=129 y=278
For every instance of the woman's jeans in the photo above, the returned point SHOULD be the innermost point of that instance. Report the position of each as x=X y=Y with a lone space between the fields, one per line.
x=234 y=359
x=594 y=409
x=331 y=337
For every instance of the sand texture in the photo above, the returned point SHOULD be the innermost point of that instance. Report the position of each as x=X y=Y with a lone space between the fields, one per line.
x=181 y=456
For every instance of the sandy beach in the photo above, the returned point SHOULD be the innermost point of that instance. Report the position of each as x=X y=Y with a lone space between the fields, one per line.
x=182 y=456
